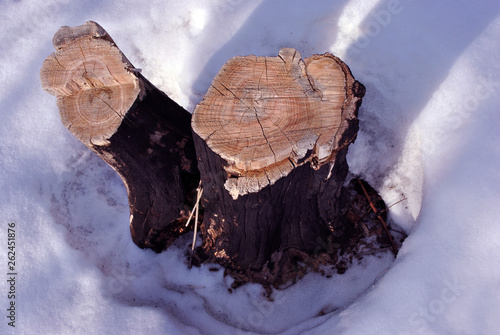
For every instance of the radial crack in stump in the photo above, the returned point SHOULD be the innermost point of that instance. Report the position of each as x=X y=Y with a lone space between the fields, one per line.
x=266 y=116
x=271 y=136
x=139 y=131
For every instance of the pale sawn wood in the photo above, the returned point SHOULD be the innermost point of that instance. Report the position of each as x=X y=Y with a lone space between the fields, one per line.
x=138 y=130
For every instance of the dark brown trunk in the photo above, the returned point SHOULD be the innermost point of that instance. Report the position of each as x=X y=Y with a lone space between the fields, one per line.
x=265 y=221
x=134 y=127
x=153 y=152
x=273 y=225
x=271 y=139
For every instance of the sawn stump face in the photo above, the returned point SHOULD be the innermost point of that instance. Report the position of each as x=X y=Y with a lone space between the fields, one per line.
x=271 y=137
x=139 y=131
x=93 y=82
x=266 y=115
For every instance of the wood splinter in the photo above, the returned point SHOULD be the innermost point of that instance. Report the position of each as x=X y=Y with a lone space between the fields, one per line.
x=380 y=218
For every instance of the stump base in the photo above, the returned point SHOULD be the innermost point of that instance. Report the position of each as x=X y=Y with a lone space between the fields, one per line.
x=357 y=234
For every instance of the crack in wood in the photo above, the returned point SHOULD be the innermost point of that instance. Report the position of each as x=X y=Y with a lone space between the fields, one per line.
x=217 y=90
x=264 y=134
x=237 y=98
x=58 y=62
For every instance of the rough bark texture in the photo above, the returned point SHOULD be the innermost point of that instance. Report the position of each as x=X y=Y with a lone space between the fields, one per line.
x=275 y=217
x=271 y=139
x=153 y=152
x=137 y=129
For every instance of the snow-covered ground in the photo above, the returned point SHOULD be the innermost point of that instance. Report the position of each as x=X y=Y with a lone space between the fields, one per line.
x=429 y=132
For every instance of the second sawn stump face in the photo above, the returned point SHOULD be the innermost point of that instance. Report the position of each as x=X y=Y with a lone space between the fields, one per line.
x=271 y=137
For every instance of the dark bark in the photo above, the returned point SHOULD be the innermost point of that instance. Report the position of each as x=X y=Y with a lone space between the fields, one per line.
x=134 y=127
x=153 y=152
x=264 y=231
x=265 y=234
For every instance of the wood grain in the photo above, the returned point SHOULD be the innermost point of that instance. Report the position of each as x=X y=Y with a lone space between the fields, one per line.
x=94 y=83
x=134 y=127
x=267 y=115
x=271 y=137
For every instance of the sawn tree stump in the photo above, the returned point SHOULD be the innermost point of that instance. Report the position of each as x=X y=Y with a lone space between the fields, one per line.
x=139 y=131
x=271 y=137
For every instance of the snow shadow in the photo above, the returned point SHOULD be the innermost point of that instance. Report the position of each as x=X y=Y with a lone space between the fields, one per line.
x=400 y=79
x=89 y=201
x=386 y=58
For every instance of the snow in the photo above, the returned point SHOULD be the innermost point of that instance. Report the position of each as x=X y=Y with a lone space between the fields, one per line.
x=428 y=133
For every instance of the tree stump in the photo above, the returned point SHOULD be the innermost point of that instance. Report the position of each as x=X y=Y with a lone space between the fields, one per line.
x=271 y=136
x=138 y=130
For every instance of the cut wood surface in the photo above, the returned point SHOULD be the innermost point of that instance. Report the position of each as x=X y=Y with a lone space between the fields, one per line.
x=93 y=81
x=271 y=137
x=139 y=131
x=267 y=115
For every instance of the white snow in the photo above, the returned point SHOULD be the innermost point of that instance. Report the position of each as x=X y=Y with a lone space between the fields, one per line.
x=429 y=133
